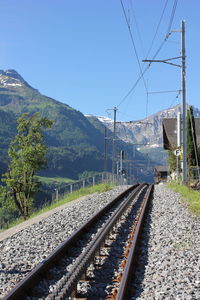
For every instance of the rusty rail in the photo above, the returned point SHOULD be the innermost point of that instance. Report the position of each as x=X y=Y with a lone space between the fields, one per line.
x=22 y=289
x=121 y=293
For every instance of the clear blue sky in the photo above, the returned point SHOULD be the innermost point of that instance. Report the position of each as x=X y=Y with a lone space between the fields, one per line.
x=80 y=52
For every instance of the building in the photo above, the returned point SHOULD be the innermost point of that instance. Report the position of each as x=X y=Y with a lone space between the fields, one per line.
x=160 y=174
x=170 y=133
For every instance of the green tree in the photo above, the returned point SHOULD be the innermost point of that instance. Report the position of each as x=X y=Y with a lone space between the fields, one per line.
x=191 y=137
x=171 y=160
x=27 y=156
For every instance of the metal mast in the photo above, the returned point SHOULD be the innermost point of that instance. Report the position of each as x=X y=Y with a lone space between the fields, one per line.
x=184 y=102
x=113 y=145
x=105 y=150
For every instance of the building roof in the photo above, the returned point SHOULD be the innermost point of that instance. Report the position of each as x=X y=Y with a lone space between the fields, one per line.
x=170 y=133
x=161 y=168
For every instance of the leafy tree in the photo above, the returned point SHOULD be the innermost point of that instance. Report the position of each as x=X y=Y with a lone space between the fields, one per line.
x=27 y=155
x=191 y=137
x=171 y=160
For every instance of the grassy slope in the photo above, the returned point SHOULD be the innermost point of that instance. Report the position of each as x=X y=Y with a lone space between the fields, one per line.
x=191 y=197
x=49 y=180
x=100 y=188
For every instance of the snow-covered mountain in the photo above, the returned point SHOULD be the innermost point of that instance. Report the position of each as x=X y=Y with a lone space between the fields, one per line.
x=146 y=132
x=10 y=79
x=146 y=135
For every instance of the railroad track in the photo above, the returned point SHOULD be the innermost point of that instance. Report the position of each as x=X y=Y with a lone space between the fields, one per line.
x=97 y=260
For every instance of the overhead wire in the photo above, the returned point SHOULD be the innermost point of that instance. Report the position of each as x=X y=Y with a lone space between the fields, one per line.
x=172 y=16
x=168 y=33
x=173 y=103
x=155 y=55
x=134 y=46
x=158 y=26
x=137 y=28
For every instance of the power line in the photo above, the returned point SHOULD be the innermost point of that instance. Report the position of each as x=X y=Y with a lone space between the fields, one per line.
x=175 y=99
x=172 y=17
x=133 y=87
x=138 y=29
x=151 y=45
x=169 y=28
x=133 y=43
x=160 y=47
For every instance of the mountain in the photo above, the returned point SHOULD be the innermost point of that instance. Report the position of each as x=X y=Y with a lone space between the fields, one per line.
x=138 y=166
x=146 y=135
x=75 y=143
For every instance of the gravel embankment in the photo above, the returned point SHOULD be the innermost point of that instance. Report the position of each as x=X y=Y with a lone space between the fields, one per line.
x=22 y=251
x=170 y=265
x=171 y=260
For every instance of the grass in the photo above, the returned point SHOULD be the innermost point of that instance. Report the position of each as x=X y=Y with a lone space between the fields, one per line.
x=190 y=197
x=12 y=224
x=100 y=188
x=49 y=180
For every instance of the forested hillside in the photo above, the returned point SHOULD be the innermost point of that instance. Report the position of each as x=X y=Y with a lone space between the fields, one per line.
x=75 y=143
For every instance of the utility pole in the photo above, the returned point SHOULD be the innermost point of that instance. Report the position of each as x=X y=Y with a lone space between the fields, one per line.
x=183 y=73
x=105 y=150
x=121 y=160
x=178 y=129
x=184 y=102
x=113 y=144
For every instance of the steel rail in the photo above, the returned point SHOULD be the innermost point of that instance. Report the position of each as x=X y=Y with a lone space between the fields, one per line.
x=69 y=283
x=122 y=292
x=22 y=289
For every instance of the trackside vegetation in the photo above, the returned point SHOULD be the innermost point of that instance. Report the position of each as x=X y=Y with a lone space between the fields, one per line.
x=189 y=196
x=27 y=154
x=100 y=188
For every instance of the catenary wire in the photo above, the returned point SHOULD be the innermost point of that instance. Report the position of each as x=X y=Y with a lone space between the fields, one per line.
x=168 y=30
x=172 y=16
x=151 y=45
x=155 y=55
x=137 y=28
x=133 y=43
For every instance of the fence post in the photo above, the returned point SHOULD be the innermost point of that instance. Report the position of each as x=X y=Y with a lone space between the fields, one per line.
x=93 y=180
x=71 y=188
x=56 y=190
x=84 y=183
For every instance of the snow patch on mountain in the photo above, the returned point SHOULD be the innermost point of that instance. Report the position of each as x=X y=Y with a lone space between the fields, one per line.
x=147 y=132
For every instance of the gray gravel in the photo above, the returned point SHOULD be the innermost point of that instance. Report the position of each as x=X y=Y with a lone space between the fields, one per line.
x=22 y=251
x=171 y=262
x=170 y=266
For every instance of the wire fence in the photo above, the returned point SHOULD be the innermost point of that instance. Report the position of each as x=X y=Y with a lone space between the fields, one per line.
x=58 y=193
x=194 y=173
x=83 y=183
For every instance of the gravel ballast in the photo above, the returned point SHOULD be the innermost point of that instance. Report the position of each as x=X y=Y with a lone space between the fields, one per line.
x=170 y=265
x=22 y=251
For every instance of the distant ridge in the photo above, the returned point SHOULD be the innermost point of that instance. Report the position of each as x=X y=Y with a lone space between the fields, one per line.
x=146 y=131
x=75 y=143
x=146 y=134
x=11 y=78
